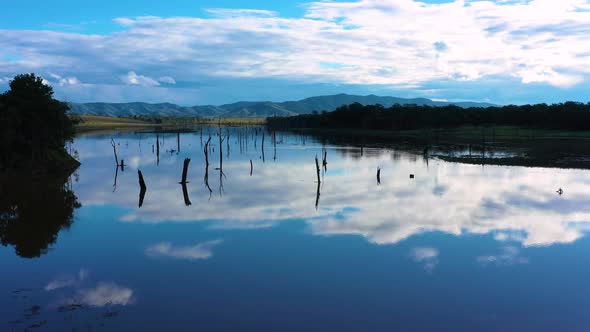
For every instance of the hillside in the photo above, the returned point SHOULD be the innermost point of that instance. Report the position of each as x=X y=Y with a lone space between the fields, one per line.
x=251 y=109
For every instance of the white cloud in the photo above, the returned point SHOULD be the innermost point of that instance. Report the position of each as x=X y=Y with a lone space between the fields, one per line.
x=166 y=249
x=63 y=81
x=509 y=255
x=133 y=79
x=540 y=41
x=427 y=256
x=167 y=79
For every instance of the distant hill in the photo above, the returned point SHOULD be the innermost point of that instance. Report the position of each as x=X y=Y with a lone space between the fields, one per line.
x=251 y=109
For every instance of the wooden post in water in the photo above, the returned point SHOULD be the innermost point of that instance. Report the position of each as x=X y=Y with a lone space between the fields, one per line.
x=378 y=175
x=251 y=167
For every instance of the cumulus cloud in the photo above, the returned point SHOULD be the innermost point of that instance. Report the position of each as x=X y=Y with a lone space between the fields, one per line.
x=133 y=79
x=62 y=81
x=199 y=251
x=427 y=256
x=509 y=255
x=539 y=41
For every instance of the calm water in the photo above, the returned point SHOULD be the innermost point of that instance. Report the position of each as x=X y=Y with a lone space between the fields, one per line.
x=457 y=248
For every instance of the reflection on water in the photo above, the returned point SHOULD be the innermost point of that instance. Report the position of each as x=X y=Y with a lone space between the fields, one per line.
x=260 y=218
x=511 y=203
x=33 y=211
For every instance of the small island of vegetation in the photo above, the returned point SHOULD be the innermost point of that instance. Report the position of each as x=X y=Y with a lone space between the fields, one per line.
x=34 y=129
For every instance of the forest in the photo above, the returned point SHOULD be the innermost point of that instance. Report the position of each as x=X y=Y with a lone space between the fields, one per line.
x=563 y=116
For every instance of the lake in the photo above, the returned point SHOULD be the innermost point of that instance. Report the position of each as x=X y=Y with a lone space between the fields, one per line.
x=259 y=246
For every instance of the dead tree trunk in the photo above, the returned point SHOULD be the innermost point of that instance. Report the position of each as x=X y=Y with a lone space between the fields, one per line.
x=251 y=167
x=206 y=151
x=317 y=166
x=158 y=149
x=262 y=147
x=220 y=152
x=317 y=197
x=185 y=170
x=274 y=143
x=206 y=177
x=378 y=175
x=227 y=142
x=177 y=142
x=187 y=200
x=115 y=152
x=142 y=188
x=116 y=176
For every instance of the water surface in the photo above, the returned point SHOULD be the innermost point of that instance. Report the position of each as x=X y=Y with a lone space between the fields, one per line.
x=456 y=248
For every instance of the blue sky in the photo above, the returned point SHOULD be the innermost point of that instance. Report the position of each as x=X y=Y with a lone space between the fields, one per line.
x=214 y=52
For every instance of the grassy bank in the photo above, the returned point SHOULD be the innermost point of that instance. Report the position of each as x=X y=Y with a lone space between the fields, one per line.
x=93 y=123
x=96 y=123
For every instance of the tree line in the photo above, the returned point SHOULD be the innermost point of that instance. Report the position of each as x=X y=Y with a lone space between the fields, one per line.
x=563 y=116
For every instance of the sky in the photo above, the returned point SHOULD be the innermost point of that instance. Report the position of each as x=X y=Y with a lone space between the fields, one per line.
x=194 y=52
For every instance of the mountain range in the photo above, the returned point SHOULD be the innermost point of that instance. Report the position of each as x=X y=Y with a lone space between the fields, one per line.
x=251 y=109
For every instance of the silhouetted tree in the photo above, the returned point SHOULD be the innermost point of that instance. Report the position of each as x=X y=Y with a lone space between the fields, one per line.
x=34 y=127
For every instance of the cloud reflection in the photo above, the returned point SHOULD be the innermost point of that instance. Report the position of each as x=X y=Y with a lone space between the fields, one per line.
x=105 y=294
x=511 y=203
x=426 y=256
x=509 y=255
x=202 y=250
x=67 y=281
x=100 y=295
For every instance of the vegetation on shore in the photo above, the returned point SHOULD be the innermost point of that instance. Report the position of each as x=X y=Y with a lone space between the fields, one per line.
x=566 y=116
x=34 y=128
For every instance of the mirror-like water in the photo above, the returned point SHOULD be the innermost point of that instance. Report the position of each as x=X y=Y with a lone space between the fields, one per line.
x=260 y=246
